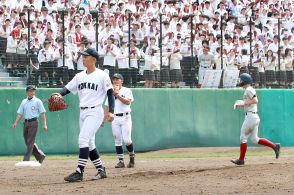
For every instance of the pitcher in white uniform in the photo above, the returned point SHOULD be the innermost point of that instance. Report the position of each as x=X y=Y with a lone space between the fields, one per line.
x=250 y=125
x=91 y=85
x=122 y=123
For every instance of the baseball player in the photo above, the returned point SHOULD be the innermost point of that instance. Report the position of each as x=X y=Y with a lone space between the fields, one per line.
x=91 y=85
x=250 y=125
x=30 y=109
x=122 y=123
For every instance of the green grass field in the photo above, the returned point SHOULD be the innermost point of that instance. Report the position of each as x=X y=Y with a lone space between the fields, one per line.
x=151 y=155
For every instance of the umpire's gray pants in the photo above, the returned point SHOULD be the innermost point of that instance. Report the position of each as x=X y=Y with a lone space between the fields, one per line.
x=30 y=130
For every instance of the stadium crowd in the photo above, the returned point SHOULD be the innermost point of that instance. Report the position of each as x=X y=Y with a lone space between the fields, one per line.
x=192 y=33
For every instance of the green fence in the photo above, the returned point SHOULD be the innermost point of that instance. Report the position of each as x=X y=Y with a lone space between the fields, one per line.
x=162 y=118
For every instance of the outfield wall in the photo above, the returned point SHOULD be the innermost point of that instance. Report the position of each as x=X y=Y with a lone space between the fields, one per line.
x=162 y=118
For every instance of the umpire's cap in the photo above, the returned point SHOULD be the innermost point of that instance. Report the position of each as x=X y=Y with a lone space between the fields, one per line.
x=30 y=87
x=118 y=76
x=245 y=78
x=90 y=52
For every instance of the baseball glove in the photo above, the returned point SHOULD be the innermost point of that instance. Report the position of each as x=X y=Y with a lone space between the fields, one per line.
x=56 y=103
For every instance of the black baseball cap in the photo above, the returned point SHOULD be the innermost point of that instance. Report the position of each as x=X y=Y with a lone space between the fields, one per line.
x=30 y=87
x=118 y=76
x=90 y=52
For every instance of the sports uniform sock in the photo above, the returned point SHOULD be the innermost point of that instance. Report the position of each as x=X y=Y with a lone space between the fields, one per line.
x=130 y=148
x=119 y=152
x=83 y=158
x=265 y=142
x=243 y=149
x=95 y=158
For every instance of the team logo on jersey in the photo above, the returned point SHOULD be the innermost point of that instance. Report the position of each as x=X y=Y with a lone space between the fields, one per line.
x=33 y=107
x=87 y=85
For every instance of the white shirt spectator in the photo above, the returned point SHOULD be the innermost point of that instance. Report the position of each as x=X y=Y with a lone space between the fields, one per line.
x=11 y=45
x=169 y=9
x=148 y=62
x=135 y=56
x=131 y=7
x=46 y=55
x=270 y=64
x=110 y=56
x=208 y=11
x=68 y=57
x=274 y=47
x=47 y=18
x=90 y=34
x=122 y=58
x=175 y=61
x=218 y=62
x=5 y=30
x=243 y=46
x=243 y=60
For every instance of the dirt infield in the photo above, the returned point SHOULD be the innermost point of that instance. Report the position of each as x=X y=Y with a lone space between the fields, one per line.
x=205 y=175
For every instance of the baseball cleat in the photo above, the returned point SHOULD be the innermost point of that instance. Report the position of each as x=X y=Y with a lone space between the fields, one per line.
x=41 y=159
x=74 y=177
x=277 y=150
x=120 y=164
x=238 y=161
x=101 y=174
x=132 y=162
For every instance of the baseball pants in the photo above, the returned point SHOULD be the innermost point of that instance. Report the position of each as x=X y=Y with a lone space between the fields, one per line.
x=249 y=128
x=122 y=130
x=90 y=121
x=201 y=74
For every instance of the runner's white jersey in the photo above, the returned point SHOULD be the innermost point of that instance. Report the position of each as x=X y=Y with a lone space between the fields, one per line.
x=249 y=94
x=91 y=88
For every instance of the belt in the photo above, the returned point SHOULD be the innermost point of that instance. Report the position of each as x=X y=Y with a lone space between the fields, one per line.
x=204 y=66
x=250 y=112
x=122 y=114
x=84 y=108
x=30 y=120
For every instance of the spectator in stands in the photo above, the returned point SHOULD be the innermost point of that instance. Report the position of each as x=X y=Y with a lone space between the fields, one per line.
x=123 y=62
x=47 y=63
x=11 y=59
x=256 y=65
x=220 y=60
x=78 y=58
x=21 y=49
x=270 y=67
x=148 y=74
x=243 y=61
x=137 y=34
x=134 y=63
x=274 y=46
x=206 y=60
x=33 y=58
x=5 y=31
x=281 y=69
x=165 y=69
x=243 y=45
x=175 y=67
x=232 y=61
x=289 y=66
x=110 y=54
x=63 y=68
x=152 y=30
x=236 y=24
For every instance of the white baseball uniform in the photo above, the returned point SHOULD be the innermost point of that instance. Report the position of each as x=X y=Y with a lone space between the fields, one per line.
x=122 y=123
x=251 y=121
x=91 y=89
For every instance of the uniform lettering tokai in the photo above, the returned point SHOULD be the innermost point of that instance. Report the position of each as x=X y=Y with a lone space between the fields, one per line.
x=86 y=85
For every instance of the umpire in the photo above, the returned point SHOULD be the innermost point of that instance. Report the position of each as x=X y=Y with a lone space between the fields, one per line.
x=30 y=109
